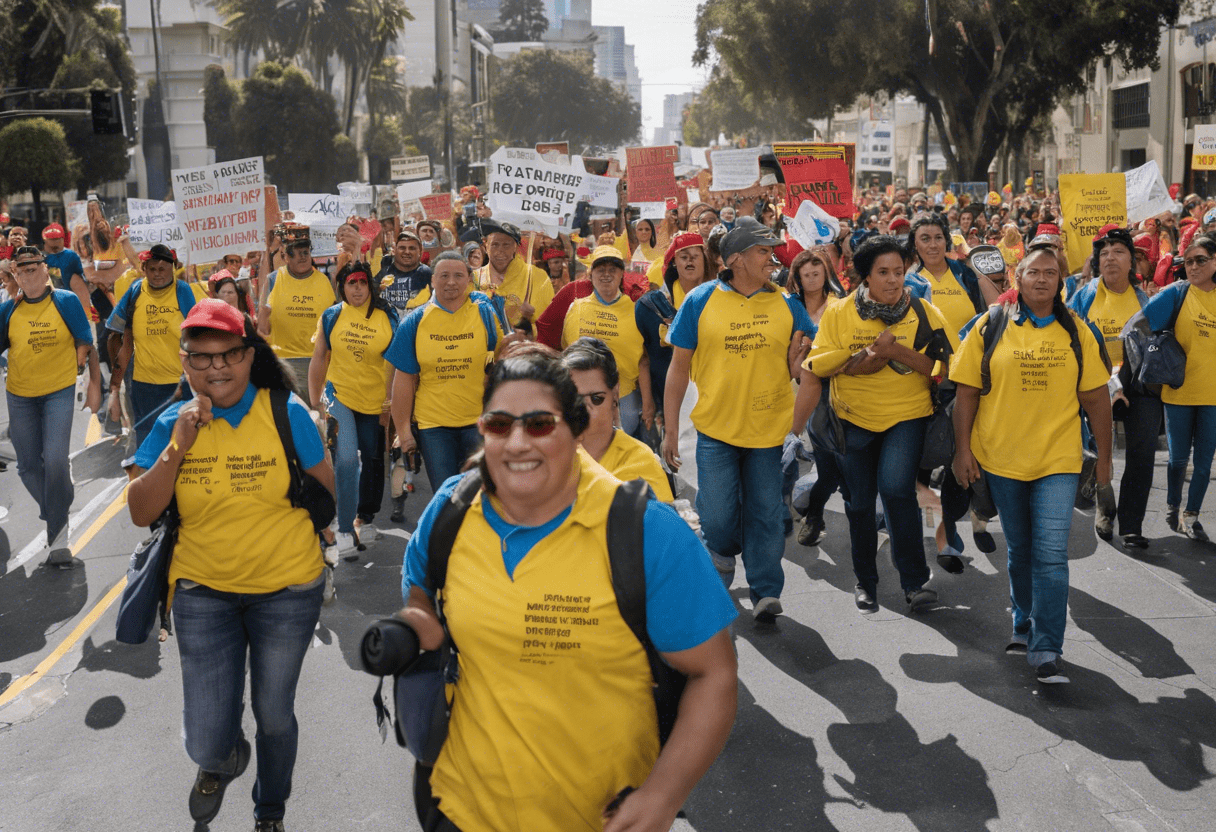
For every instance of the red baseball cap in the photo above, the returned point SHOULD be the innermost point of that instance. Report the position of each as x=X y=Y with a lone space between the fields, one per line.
x=54 y=231
x=220 y=275
x=144 y=256
x=213 y=313
x=683 y=240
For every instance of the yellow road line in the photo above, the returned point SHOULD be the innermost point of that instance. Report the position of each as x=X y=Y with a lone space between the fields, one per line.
x=14 y=690
x=93 y=432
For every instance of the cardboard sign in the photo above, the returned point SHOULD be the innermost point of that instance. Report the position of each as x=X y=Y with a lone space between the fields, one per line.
x=356 y=198
x=437 y=206
x=651 y=172
x=1147 y=195
x=734 y=170
x=221 y=207
x=1090 y=201
x=152 y=222
x=531 y=193
x=1203 y=153
x=819 y=172
x=555 y=153
x=406 y=168
x=273 y=216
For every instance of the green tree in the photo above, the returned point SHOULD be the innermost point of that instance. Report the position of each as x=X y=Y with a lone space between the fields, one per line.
x=748 y=117
x=521 y=20
x=102 y=158
x=384 y=140
x=220 y=100
x=985 y=70
x=544 y=95
x=423 y=122
x=36 y=159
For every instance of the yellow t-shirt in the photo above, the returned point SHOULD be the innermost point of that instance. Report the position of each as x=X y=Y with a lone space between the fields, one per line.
x=1195 y=330
x=1029 y=425
x=627 y=459
x=655 y=275
x=239 y=532
x=950 y=298
x=199 y=289
x=1109 y=313
x=521 y=283
x=295 y=305
x=124 y=282
x=881 y=400
x=41 y=351
x=357 y=368
x=612 y=323
x=155 y=322
x=554 y=713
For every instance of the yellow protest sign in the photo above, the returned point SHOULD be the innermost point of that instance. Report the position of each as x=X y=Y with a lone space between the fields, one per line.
x=1089 y=201
x=1203 y=157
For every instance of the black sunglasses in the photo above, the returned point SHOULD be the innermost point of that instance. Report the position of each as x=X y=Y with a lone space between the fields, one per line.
x=537 y=423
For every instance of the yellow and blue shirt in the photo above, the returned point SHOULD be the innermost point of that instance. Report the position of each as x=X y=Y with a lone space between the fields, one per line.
x=154 y=317
x=1196 y=333
x=628 y=458
x=1108 y=311
x=521 y=284
x=358 y=373
x=295 y=305
x=614 y=324
x=41 y=337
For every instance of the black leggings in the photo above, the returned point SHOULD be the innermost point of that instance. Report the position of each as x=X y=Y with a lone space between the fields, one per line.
x=426 y=806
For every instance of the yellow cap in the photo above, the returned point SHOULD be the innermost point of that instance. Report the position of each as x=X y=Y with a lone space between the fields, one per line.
x=607 y=253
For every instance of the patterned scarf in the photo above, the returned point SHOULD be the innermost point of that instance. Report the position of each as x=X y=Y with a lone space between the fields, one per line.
x=870 y=309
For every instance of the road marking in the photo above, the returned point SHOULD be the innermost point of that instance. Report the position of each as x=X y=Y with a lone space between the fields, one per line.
x=105 y=517
x=38 y=544
x=93 y=432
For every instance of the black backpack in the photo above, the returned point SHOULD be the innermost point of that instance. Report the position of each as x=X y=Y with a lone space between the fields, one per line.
x=305 y=490
x=625 y=544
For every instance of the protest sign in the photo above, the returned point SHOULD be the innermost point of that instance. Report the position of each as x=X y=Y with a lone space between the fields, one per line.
x=78 y=214
x=651 y=172
x=1090 y=201
x=406 y=168
x=272 y=215
x=599 y=191
x=329 y=205
x=531 y=193
x=978 y=191
x=413 y=190
x=734 y=170
x=555 y=153
x=694 y=195
x=1203 y=154
x=1147 y=195
x=812 y=226
x=437 y=206
x=651 y=210
x=356 y=198
x=322 y=230
x=220 y=207
x=820 y=172
x=152 y=222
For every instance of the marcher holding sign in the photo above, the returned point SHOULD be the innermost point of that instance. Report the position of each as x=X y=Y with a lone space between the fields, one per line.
x=221 y=207
x=519 y=291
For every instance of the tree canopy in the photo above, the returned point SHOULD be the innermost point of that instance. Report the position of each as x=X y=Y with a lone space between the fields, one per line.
x=521 y=20
x=985 y=70
x=544 y=95
x=36 y=159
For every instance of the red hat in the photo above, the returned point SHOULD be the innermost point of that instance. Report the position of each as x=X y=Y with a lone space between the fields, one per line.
x=1110 y=226
x=213 y=313
x=898 y=224
x=54 y=231
x=552 y=254
x=1161 y=275
x=1145 y=243
x=583 y=252
x=1175 y=189
x=222 y=274
x=144 y=256
x=686 y=239
x=1051 y=228
x=4 y=218
x=1189 y=233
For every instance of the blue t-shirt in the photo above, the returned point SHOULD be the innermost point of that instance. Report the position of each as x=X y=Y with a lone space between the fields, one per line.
x=686 y=603
x=62 y=266
x=303 y=430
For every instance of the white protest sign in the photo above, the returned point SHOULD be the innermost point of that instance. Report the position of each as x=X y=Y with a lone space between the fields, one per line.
x=322 y=230
x=405 y=168
x=812 y=226
x=220 y=207
x=651 y=210
x=694 y=195
x=413 y=190
x=78 y=214
x=1147 y=195
x=355 y=198
x=734 y=170
x=532 y=193
x=329 y=205
x=1203 y=152
x=152 y=222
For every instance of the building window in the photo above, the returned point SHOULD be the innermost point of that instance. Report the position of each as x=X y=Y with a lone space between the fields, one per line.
x=1129 y=107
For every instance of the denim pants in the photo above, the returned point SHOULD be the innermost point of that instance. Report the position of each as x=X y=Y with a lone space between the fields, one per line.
x=445 y=450
x=1187 y=426
x=147 y=403
x=1036 y=516
x=884 y=464
x=216 y=631
x=631 y=412
x=1142 y=422
x=827 y=479
x=40 y=428
x=739 y=500
x=358 y=463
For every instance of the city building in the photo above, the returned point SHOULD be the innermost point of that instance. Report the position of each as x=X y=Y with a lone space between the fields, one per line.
x=672 y=130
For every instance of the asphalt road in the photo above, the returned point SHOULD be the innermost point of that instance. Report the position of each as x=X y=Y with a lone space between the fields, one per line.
x=845 y=722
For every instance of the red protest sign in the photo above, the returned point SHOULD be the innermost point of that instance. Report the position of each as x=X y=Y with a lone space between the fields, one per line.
x=437 y=206
x=651 y=172
x=822 y=173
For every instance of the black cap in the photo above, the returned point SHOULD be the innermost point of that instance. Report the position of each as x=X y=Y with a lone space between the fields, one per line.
x=27 y=254
x=1120 y=236
x=492 y=226
x=747 y=232
x=161 y=252
x=471 y=235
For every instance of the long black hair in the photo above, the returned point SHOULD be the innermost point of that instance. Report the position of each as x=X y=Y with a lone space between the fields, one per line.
x=358 y=266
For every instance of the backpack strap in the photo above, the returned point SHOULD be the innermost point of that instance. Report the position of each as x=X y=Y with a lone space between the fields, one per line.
x=652 y=303
x=993 y=329
x=444 y=531
x=6 y=316
x=970 y=282
x=924 y=329
x=1178 y=306
x=282 y=423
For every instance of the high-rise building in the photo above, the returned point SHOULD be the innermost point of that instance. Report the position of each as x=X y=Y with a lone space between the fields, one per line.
x=672 y=130
x=614 y=60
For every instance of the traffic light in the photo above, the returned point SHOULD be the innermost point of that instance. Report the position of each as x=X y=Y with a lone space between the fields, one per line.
x=107 y=112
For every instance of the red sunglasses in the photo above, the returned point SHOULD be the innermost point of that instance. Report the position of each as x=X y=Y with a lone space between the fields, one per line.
x=537 y=423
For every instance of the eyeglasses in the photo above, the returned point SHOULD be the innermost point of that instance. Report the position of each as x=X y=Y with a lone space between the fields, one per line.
x=537 y=423
x=1196 y=262
x=597 y=399
x=206 y=360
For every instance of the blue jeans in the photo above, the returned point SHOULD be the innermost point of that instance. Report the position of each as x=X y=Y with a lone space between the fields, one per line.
x=1187 y=426
x=445 y=450
x=827 y=479
x=884 y=465
x=739 y=500
x=215 y=633
x=41 y=430
x=358 y=463
x=147 y=403
x=1036 y=516
x=631 y=412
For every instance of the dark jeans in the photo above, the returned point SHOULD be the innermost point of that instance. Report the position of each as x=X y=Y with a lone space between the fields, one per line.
x=358 y=464
x=217 y=632
x=147 y=403
x=827 y=479
x=885 y=465
x=1188 y=426
x=1142 y=422
x=40 y=428
x=445 y=450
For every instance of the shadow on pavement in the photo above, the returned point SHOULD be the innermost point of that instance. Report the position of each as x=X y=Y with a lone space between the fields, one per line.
x=141 y=661
x=1190 y=560
x=31 y=605
x=106 y=712
x=365 y=595
x=100 y=460
x=1152 y=654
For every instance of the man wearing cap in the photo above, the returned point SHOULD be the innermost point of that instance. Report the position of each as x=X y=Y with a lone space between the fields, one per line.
x=404 y=277
x=297 y=297
x=145 y=327
x=557 y=264
x=64 y=266
x=741 y=339
x=524 y=290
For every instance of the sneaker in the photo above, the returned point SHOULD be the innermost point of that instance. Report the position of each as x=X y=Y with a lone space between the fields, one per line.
x=984 y=541
x=208 y=792
x=1017 y=645
x=1172 y=520
x=397 y=480
x=398 y=515
x=1135 y=541
x=1051 y=673
x=61 y=558
x=949 y=560
x=811 y=531
x=330 y=593
x=767 y=610
x=1194 y=529
x=864 y=600
x=269 y=826
x=919 y=598
x=344 y=542
x=725 y=567
x=1104 y=525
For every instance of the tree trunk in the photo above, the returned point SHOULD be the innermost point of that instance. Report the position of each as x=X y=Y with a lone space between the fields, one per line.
x=36 y=193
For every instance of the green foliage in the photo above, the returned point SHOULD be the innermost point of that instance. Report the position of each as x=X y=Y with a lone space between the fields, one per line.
x=220 y=100
x=102 y=158
x=422 y=124
x=521 y=20
x=386 y=95
x=544 y=95
x=994 y=68
x=746 y=117
x=384 y=140
x=36 y=158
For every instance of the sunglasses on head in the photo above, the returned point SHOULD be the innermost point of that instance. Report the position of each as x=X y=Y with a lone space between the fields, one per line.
x=537 y=423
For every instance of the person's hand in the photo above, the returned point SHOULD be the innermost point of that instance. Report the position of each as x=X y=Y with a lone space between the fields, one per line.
x=883 y=347
x=406 y=442
x=648 y=410
x=671 y=450
x=800 y=347
x=966 y=468
x=641 y=812
x=114 y=408
x=527 y=310
x=193 y=415
x=1103 y=472
x=864 y=363
x=1118 y=396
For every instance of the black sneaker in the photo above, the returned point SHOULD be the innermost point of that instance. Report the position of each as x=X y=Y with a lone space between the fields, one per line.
x=1194 y=529
x=269 y=826
x=985 y=542
x=919 y=598
x=1051 y=673
x=950 y=561
x=864 y=600
x=1172 y=520
x=1135 y=541
x=811 y=531
x=208 y=793
x=398 y=515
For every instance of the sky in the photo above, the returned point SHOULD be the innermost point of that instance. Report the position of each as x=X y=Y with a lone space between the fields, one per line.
x=663 y=35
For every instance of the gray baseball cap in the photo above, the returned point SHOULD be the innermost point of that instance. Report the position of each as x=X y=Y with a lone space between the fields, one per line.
x=748 y=232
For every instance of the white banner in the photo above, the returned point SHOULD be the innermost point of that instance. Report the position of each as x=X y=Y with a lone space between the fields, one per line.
x=412 y=191
x=405 y=168
x=152 y=222
x=812 y=226
x=328 y=205
x=651 y=210
x=1147 y=195
x=355 y=198
x=220 y=207
x=734 y=170
x=322 y=230
x=531 y=193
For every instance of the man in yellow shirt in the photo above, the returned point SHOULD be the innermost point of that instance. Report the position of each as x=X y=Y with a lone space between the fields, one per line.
x=519 y=291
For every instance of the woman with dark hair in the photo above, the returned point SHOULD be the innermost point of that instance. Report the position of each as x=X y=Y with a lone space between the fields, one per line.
x=646 y=251
x=881 y=391
x=224 y=286
x=561 y=732
x=351 y=383
x=246 y=578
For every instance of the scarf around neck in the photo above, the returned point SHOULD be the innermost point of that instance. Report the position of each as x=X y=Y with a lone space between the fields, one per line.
x=870 y=309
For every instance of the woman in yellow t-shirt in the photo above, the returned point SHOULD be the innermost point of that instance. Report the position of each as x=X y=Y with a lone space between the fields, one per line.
x=1025 y=434
x=246 y=578
x=880 y=391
